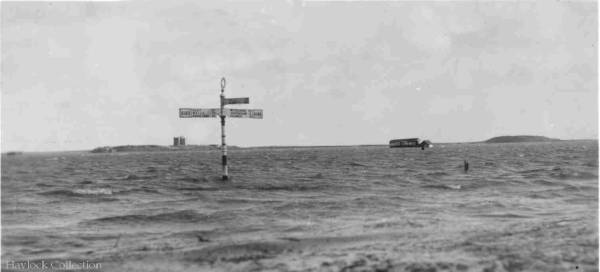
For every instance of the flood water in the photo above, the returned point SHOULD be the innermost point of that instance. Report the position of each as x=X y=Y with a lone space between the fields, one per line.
x=520 y=207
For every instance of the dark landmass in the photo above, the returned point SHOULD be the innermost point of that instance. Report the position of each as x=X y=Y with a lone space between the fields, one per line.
x=155 y=148
x=14 y=153
x=520 y=139
x=312 y=146
x=158 y=148
x=162 y=148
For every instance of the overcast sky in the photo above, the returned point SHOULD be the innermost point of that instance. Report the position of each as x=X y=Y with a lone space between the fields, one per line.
x=81 y=75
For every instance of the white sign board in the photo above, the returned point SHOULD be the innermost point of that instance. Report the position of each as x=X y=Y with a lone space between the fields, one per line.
x=238 y=100
x=245 y=113
x=199 y=113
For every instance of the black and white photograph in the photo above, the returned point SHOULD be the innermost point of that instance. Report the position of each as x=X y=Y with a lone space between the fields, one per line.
x=299 y=135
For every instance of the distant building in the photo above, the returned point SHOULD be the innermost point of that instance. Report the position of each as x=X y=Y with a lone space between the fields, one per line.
x=177 y=141
x=410 y=142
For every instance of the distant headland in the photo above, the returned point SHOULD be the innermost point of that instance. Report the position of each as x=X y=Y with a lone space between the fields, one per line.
x=155 y=148
x=214 y=147
x=520 y=139
x=159 y=148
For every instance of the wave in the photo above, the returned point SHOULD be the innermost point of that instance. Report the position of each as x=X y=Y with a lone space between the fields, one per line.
x=579 y=188
x=138 y=190
x=331 y=205
x=93 y=195
x=558 y=173
x=593 y=164
x=134 y=177
x=372 y=263
x=482 y=205
x=503 y=215
x=236 y=253
x=438 y=174
x=443 y=186
x=533 y=171
x=97 y=237
x=565 y=174
x=23 y=240
x=78 y=192
x=93 y=191
x=184 y=216
x=28 y=251
x=547 y=194
x=197 y=189
x=193 y=180
x=317 y=176
x=202 y=236
x=290 y=187
x=544 y=182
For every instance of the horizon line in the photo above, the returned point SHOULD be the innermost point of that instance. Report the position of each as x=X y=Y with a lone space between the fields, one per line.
x=274 y=146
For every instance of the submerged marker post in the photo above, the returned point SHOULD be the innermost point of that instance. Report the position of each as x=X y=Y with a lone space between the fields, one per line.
x=223 y=144
x=222 y=113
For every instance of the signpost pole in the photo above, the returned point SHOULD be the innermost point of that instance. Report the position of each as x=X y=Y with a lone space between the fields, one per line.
x=223 y=144
x=223 y=112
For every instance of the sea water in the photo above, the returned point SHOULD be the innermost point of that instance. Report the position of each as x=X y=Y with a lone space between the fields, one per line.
x=520 y=207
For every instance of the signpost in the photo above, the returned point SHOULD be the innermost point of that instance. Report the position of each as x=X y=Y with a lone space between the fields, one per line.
x=239 y=100
x=223 y=112
x=201 y=113
x=244 y=113
x=208 y=113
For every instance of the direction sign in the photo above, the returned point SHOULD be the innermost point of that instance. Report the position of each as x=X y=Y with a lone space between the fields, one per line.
x=199 y=113
x=256 y=114
x=238 y=100
x=245 y=113
x=223 y=113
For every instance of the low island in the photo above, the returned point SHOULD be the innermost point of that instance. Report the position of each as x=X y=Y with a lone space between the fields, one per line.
x=520 y=139
x=13 y=153
x=156 y=148
x=162 y=148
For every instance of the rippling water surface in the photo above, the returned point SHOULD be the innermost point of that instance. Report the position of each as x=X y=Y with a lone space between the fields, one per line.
x=521 y=207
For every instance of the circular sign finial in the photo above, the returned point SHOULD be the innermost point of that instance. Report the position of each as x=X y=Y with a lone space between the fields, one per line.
x=222 y=83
